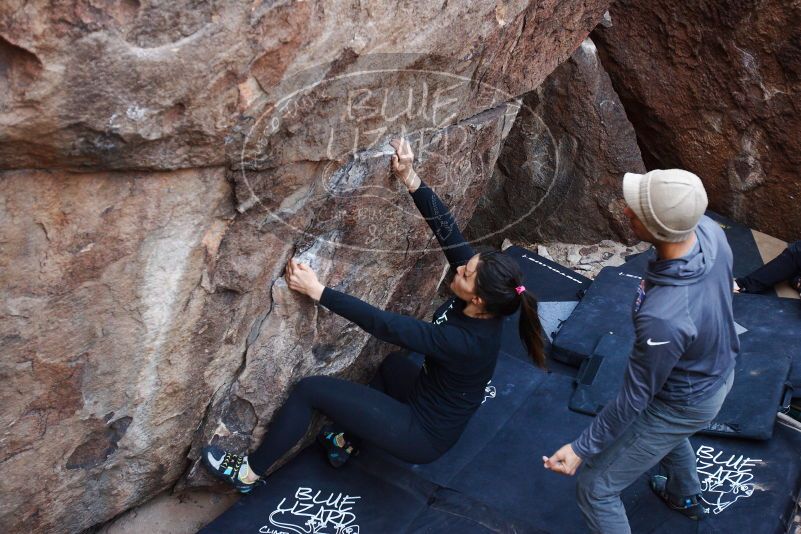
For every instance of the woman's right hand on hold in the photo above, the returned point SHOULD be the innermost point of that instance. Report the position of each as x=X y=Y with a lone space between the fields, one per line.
x=302 y=278
x=402 y=162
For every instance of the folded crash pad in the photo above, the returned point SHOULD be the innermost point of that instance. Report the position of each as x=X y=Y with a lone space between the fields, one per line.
x=605 y=309
x=558 y=290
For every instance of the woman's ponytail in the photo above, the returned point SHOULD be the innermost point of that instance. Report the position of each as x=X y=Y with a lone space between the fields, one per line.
x=530 y=328
x=498 y=283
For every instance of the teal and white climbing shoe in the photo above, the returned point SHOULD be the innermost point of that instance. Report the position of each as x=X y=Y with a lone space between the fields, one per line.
x=229 y=467
x=337 y=447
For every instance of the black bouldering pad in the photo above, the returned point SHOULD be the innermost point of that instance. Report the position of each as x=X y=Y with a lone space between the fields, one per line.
x=760 y=391
x=548 y=280
x=453 y=511
x=308 y=495
x=558 y=291
x=392 y=496
x=370 y=495
x=761 y=373
x=509 y=475
x=777 y=322
x=606 y=309
x=743 y=245
x=511 y=385
x=748 y=486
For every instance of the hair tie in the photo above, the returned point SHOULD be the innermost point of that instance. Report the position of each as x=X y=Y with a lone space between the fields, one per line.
x=520 y=289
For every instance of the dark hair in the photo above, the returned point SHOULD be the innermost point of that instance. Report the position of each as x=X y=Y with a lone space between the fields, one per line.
x=497 y=277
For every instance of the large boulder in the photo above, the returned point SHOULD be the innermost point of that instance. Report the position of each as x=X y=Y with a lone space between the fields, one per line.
x=147 y=84
x=559 y=176
x=145 y=315
x=715 y=87
x=144 y=309
x=103 y=355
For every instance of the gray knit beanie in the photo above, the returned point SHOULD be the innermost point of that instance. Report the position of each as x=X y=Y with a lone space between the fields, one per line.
x=668 y=202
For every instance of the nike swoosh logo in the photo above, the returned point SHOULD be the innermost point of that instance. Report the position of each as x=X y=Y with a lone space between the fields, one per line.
x=213 y=461
x=656 y=343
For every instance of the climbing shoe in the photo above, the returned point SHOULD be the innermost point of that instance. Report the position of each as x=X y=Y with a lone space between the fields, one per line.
x=229 y=467
x=690 y=506
x=337 y=448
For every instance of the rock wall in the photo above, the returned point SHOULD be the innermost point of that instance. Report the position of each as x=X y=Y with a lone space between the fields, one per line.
x=715 y=87
x=163 y=85
x=102 y=368
x=559 y=175
x=163 y=160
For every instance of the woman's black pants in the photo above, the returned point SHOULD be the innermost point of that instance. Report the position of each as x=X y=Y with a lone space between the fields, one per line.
x=376 y=414
x=786 y=266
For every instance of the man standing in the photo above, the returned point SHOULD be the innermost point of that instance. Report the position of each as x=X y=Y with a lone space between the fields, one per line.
x=682 y=365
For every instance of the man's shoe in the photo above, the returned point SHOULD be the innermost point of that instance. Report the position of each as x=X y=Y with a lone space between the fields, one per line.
x=337 y=448
x=226 y=466
x=691 y=506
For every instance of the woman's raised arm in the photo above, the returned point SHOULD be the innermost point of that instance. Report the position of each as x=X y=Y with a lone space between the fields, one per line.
x=437 y=215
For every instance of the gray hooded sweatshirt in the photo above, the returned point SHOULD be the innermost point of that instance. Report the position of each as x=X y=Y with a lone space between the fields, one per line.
x=686 y=341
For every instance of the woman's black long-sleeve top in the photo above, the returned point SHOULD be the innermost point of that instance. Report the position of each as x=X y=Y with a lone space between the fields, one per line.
x=460 y=351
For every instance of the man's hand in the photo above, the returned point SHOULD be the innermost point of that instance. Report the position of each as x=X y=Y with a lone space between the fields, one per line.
x=301 y=278
x=402 y=162
x=565 y=461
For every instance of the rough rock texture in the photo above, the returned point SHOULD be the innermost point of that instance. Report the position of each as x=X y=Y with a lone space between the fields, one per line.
x=102 y=371
x=560 y=172
x=715 y=87
x=143 y=312
x=148 y=84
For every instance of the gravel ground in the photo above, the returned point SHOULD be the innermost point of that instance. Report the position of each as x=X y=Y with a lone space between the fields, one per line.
x=585 y=259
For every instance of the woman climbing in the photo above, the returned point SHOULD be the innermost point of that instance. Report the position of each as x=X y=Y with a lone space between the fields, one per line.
x=415 y=413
